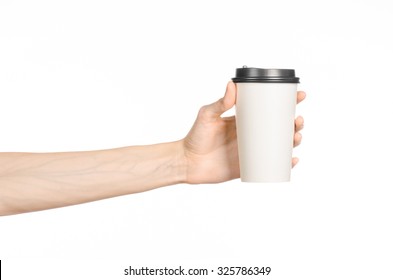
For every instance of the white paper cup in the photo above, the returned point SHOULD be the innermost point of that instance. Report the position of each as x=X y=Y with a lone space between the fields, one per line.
x=265 y=113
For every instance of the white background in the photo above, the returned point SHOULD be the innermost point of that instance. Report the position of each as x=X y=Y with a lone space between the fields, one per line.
x=85 y=75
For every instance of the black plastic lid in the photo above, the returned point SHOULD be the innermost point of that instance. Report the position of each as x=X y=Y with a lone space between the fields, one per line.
x=259 y=75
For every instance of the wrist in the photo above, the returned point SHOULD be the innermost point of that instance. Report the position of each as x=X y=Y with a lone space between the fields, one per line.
x=179 y=162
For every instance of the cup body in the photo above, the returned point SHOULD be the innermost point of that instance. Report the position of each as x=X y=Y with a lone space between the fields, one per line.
x=265 y=113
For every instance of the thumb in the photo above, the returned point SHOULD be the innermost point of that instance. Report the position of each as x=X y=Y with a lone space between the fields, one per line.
x=225 y=103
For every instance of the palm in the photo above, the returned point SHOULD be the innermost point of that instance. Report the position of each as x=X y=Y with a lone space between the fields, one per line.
x=211 y=150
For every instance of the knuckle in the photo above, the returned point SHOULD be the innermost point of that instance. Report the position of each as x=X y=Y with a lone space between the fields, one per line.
x=202 y=111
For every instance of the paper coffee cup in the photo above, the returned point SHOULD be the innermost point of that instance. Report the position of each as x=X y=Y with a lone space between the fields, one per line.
x=265 y=114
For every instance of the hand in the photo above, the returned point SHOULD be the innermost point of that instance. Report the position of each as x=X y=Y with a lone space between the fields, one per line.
x=210 y=148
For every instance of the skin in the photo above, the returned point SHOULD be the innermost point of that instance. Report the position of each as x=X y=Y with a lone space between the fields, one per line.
x=208 y=154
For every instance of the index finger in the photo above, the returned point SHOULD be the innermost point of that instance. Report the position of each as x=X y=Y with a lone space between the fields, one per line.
x=301 y=95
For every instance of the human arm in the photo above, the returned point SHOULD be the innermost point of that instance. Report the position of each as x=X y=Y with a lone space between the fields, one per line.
x=208 y=154
x=38 y=181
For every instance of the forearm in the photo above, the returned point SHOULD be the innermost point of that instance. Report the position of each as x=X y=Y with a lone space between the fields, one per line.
x=33 y=181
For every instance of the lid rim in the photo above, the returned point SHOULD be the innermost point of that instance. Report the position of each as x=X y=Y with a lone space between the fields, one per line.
x=266 y=81
x=265 y=75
